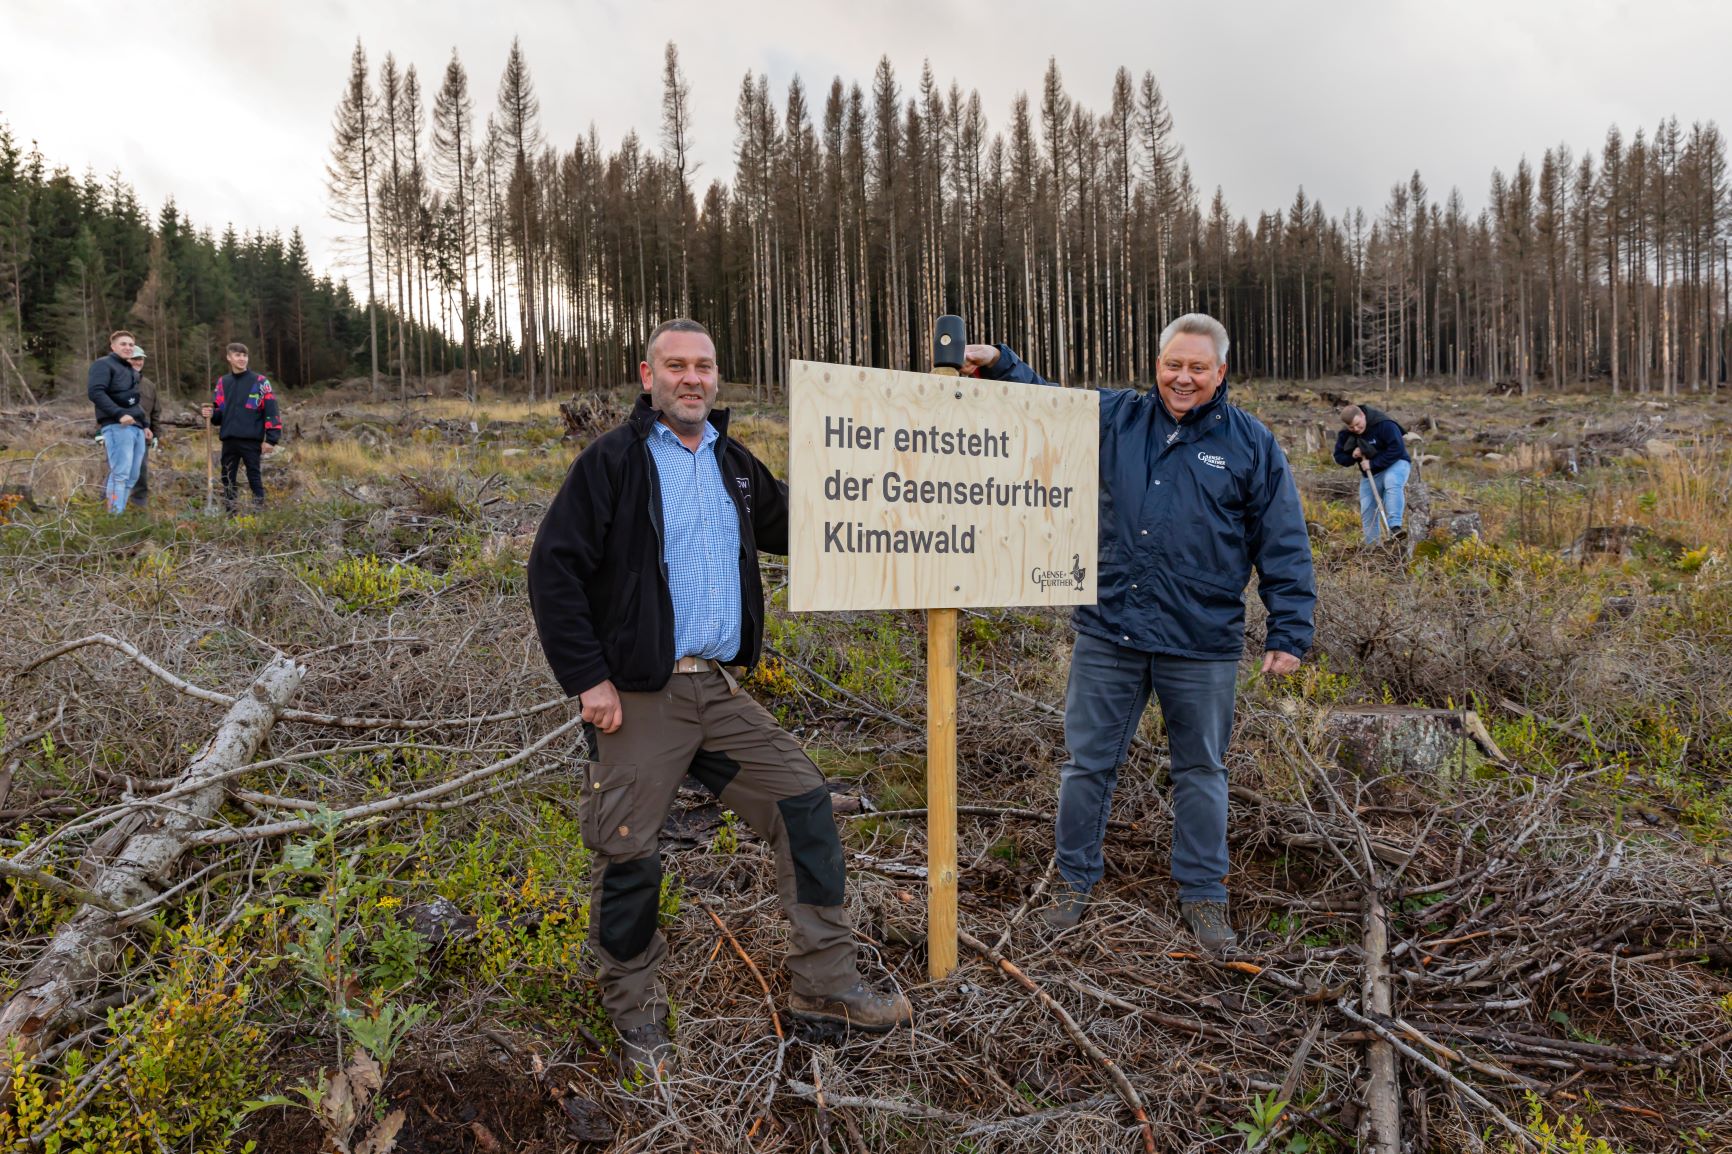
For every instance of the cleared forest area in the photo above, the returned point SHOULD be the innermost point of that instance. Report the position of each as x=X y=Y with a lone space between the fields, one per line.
x=372 y=901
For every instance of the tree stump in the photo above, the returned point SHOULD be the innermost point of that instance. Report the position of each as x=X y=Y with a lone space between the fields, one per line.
x=1416 y=743
x=586 y=416
x=1606 y=541
x=1461 y=524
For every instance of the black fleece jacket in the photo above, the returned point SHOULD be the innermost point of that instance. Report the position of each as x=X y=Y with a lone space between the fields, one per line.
x=598 y=583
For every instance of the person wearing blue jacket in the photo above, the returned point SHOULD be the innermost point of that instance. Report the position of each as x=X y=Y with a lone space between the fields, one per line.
x=121 y=421
x=1194 y=495
x=1372 y=442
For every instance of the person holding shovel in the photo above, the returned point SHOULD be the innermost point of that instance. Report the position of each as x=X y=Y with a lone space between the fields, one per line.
x=244 y=411
x=1371 y=442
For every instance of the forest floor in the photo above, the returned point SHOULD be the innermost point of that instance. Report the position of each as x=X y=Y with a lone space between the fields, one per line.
x=404 y=884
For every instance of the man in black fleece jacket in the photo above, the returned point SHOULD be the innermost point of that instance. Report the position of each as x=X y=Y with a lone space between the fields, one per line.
x=1372 y=443
x=647 y=596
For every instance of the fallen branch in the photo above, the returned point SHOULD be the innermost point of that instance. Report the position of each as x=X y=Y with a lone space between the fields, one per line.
x=403 y=801
x=769 y=1000
x=1412 y=1054
x=180 y=685
x=1120 y=1083
x=337 y=721
x=89 y=943
x=979 y=811
x=884 y=1105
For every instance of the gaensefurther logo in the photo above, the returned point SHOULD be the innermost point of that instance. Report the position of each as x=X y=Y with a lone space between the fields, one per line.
x=1054 y=578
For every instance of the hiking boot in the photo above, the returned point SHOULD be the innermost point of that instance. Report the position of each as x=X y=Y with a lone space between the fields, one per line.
x=647 y=1052
x=1066 y=910
x=856 y=1007
x=1208 y=923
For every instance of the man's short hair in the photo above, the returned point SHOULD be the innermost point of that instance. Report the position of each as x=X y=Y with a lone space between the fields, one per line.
x=1349 y=412
x=237 y=347
x=118 y=333
x=1201 y=325
x=676 y=325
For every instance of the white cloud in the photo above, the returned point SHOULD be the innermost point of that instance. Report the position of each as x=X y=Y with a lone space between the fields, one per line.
x=226 y=106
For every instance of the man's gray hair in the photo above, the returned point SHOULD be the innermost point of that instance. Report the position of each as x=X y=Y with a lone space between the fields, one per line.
x=1201 y=325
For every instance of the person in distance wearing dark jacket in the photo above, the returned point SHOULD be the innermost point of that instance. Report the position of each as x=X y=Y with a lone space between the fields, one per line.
x=647 y=596
x=244 y=410
x=1372 y=442
x=1194 y=494
x=120 y=421
x=151 y=403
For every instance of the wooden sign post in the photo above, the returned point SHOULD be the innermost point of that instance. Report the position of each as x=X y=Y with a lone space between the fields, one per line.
x=948 y=347
x=936 y=492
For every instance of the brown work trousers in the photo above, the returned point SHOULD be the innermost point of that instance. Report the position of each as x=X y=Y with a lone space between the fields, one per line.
x=703 y=724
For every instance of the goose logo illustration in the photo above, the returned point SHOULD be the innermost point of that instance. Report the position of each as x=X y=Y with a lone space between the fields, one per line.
x=1059 y=578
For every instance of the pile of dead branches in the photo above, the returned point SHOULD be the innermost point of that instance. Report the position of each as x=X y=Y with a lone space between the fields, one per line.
x=1422 y=966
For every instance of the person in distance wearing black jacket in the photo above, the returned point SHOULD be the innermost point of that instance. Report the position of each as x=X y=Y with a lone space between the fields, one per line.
x=244 y=410
x=1372 y=442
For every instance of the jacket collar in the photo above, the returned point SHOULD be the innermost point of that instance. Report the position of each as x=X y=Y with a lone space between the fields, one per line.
x=1197 y=415
x=644 y=416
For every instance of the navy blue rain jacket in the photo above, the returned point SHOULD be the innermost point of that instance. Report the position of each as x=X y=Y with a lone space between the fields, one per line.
x=1381 y=443
x=1187 y=508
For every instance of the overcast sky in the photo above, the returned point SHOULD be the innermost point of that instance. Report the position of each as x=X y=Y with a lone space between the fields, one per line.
x=226 y=105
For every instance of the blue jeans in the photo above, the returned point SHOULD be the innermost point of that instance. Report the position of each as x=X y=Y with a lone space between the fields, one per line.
x=1108 y=690
x=125 y=446
x=1392 y=487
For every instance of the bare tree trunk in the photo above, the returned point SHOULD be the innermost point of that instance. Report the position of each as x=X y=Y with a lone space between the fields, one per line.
x=90 y=942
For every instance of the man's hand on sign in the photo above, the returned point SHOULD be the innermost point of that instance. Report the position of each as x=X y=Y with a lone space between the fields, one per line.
x=601 y=706
x=1279 y=663
x=977 y=357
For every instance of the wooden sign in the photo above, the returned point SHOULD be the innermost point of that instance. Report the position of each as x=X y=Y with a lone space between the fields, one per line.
x=916 y=491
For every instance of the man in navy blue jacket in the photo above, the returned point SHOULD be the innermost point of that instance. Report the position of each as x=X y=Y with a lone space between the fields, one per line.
x=1372 y=442
x=1194 y=494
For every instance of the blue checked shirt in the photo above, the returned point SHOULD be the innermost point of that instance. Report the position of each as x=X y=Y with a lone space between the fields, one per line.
x=700 y=545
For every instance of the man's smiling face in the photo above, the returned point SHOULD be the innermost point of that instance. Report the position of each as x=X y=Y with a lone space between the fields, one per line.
x=682 y=379
x=1188 y=373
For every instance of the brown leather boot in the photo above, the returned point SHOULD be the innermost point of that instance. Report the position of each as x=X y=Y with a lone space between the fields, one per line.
x=856 y=1007
x=647 y=1052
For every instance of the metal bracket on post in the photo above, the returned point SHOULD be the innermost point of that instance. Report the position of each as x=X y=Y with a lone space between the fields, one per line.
x=948 y=356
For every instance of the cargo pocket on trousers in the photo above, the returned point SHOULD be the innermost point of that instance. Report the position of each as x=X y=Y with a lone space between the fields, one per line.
x=609 y=819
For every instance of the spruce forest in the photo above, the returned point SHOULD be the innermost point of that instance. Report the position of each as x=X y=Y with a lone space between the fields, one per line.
x=856 y=214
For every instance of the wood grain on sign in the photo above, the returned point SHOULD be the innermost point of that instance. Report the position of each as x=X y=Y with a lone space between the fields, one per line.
x=914 y=491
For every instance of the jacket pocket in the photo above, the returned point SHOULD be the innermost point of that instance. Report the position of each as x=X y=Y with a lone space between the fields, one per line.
x=1217 y=583
x=612 y=820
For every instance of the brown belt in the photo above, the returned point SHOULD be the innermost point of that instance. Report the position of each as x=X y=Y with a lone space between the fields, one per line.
x=704 y=665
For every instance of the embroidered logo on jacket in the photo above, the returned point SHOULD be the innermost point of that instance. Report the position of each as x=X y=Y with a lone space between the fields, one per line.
x=1212 y=460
